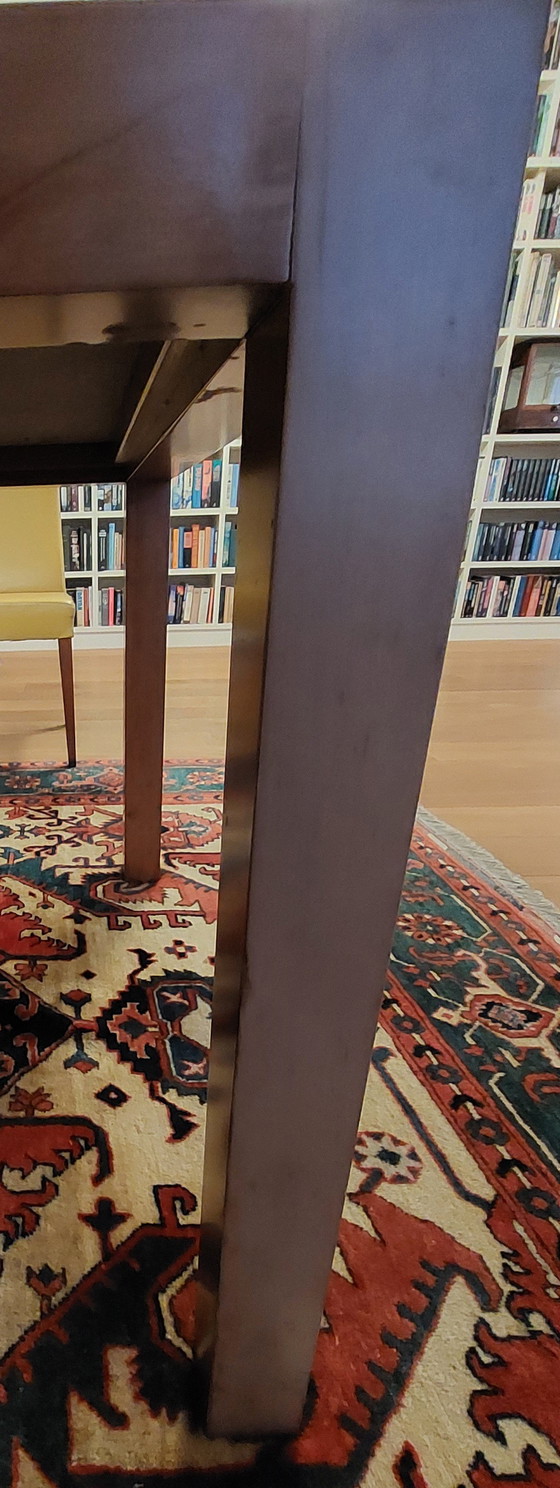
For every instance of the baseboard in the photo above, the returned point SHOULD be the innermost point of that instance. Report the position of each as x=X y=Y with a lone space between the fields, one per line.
x=110 y=639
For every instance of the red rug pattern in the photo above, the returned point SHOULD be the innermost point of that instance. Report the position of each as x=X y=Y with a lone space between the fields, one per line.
x=438 y=1362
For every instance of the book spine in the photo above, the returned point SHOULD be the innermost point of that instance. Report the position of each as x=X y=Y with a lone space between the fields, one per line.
x=536 y=480
x=197 y=486
x=75 y=549
x=234 y=485
x=528 y=300
x=525 y=481
x=216 y=482
x=534 y=596
x=514 y=594
x=519 y=596
x=535 y=548
x=206 y=482
x=555 y=549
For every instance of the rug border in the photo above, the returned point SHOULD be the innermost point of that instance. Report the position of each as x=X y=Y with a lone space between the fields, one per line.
x=491 y=869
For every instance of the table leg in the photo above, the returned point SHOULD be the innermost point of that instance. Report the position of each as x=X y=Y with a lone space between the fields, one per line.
x=400 y=254
x=147 y=561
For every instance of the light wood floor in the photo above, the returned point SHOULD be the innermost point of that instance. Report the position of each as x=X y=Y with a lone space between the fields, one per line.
x=493 y=768
x=32 y=725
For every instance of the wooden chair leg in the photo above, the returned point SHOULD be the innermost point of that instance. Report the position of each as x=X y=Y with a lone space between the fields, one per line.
x=67 y=679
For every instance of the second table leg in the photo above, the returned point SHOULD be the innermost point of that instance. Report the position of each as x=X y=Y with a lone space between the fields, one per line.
x=147 y=545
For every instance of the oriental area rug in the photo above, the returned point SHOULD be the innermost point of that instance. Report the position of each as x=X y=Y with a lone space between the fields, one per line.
x=438 y=1361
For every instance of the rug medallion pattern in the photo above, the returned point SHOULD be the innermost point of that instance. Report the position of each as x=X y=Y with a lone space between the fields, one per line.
x=438 y=1362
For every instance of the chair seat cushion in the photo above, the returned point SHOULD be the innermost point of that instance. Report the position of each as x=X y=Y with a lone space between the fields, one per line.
x=47 y=616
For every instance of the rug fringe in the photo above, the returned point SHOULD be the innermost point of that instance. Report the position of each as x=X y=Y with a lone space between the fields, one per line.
x=485 y=863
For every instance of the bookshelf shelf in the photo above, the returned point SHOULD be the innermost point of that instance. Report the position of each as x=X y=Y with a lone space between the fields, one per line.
x=526 y=441
x=192 y=573
x=514 y=567
x=515 y=509
x=536 y=333
x=94 y=529
x=548 y=163
x=181 y=514
x=498 y=629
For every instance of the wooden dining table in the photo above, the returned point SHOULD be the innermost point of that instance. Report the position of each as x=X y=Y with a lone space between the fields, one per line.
x=331 y=186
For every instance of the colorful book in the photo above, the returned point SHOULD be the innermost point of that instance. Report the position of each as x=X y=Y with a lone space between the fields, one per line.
x=216 y=482
x=197 y=486
x=206 y=482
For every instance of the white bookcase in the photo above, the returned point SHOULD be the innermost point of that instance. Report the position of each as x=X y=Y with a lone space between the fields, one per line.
x=543 y=174
x=217 y=578
x=95 y=575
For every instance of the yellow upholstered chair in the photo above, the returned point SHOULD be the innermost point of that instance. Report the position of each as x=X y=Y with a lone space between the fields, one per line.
x=34 y=605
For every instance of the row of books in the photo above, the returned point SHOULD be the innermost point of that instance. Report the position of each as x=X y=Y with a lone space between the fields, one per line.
x=92 y=498
x=193 y=547
x=548 y=224
x=505 y=595
x=75 y=498
x=197 y=485
x=542 y=298
x=110 y=497
x=549 y=206
x=110 y=546
x=230 y=545
x=225 y=611
x=82 y=601
x=76 y=547
x=517 y=542
x=200 y=485
x=111 y=606
x=522 y=480
x=189 y=604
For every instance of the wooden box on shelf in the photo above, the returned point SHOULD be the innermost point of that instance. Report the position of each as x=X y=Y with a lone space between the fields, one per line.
x=532 y=396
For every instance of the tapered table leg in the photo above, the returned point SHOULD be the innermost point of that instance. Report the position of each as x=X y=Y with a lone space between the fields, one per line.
x=147 y=545
x=400 y=254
